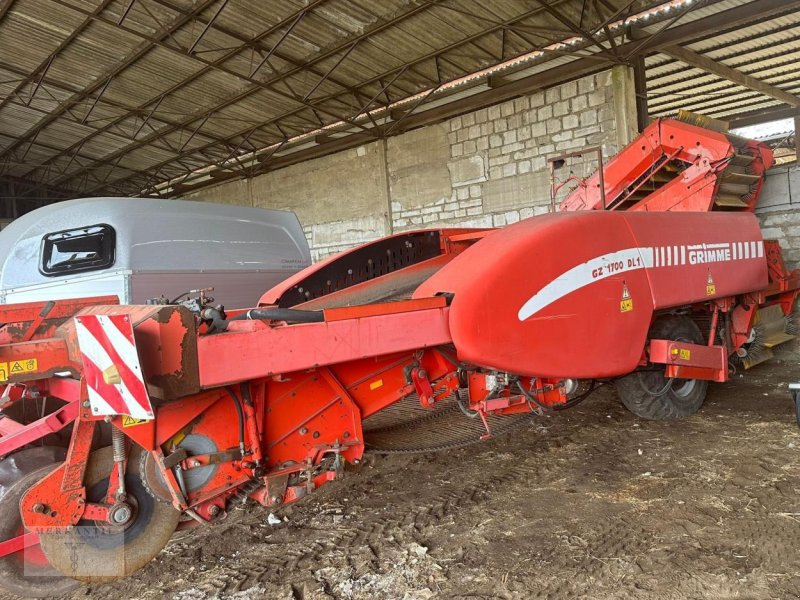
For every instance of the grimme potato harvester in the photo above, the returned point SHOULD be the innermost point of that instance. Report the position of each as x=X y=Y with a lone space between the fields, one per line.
x=122 y=424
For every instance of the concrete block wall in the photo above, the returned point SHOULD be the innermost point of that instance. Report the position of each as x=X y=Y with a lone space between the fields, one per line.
x=481 y=169
x=491 y=165
x=779 y=211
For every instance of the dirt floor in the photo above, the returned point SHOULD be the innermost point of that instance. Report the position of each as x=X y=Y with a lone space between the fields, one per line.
x=592 y=502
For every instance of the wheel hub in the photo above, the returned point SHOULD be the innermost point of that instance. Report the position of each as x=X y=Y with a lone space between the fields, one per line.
x=120 y=514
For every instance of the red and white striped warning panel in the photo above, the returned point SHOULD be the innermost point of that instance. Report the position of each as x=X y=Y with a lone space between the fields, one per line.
x=111 y=366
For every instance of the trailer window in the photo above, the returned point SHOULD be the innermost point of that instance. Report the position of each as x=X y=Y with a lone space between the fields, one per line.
x=76 y=250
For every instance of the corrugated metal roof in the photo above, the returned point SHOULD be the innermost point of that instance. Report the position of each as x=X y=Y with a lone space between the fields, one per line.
x=115 y=96
x=768 y=51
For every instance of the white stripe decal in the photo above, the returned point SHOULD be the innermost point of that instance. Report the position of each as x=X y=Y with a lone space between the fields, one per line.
x=93 y=351
x=97 y=401
x=123 y=346
x=632 y=259
x=583 y=274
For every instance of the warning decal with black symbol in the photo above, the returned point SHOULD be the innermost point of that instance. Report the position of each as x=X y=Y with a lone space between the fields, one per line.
x=626 y=304
x=18 y=367
x=711 y=287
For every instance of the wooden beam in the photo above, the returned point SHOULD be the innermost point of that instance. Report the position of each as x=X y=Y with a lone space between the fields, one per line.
x=692 y=58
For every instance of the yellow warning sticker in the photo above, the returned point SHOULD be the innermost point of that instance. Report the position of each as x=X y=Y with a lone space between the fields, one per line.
x=711 y=287
x=626 y=304
x=18 y=367
x=685 y=354
x=128 y=421
x=376 y=384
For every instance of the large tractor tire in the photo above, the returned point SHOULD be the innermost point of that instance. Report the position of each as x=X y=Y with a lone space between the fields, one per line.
x=27 y=573
x=648 y=394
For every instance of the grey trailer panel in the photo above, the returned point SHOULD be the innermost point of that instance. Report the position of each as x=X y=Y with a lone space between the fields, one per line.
x=78 y=286
x=233 y=290
x=169 y=243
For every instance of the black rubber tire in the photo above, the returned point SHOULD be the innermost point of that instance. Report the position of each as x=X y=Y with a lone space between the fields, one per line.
x=23 y=462
x=639 y=391
x=18 y=472
x=107 y=553
x=796 y=400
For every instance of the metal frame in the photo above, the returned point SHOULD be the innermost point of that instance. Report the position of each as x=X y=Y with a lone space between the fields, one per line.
x=556 y=187
x=309 y=92
x=299 y=384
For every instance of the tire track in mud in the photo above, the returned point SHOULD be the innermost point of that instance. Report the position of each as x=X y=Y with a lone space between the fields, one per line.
x=700 y=514
x=361 y=547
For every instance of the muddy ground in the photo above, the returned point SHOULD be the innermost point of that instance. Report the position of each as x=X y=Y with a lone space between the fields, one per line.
x=588 y=503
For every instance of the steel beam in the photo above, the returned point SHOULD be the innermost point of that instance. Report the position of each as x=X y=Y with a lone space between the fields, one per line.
x=579 y=68
x=333 y=52
x=759 y=10
x=640 y=89
x=100 y=81
x=5 y=6
x=208 y=25
x=692 y=58
x=209 y=65
x=39 y=73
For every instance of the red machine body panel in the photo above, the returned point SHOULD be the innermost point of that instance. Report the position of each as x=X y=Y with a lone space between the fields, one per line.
x=389 y=268
x=520 y=307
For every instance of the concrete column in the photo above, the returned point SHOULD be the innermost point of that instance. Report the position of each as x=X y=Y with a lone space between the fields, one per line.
x=624 y=89
x=387 y=187
x=251 y=201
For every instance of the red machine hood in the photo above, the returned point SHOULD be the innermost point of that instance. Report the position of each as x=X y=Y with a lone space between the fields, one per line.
x=573 y=295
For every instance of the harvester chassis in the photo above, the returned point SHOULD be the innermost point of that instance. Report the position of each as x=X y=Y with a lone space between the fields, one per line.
x=195 y=409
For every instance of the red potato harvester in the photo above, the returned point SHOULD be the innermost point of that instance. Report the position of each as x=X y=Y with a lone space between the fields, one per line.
x=419 y=341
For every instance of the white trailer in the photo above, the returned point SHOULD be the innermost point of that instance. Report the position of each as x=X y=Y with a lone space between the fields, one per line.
x=142 y=248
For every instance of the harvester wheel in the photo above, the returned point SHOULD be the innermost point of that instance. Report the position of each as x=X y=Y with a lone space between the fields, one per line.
x=96 y=552
x=649 y=394
x=27 y=573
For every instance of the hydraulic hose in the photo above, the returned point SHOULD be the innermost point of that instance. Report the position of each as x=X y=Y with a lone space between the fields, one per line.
x=529 y=397
x=463 y=402
x=593 y=387
x=238 y=404
x=290 y=315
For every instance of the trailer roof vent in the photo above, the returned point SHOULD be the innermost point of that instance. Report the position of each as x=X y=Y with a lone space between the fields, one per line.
x=77 y=250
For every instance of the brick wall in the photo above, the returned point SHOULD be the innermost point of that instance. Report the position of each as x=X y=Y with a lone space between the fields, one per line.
x=485 y=168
